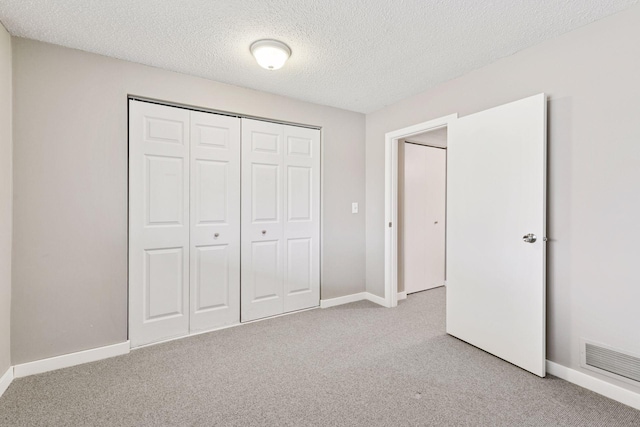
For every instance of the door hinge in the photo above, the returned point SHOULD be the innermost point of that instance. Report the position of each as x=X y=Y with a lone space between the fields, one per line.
x=389 y=225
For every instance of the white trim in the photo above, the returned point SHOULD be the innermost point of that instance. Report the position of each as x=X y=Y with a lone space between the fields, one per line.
x=391 y=201
x=233 y=325
x=71 y=359
x=322 y=185
x=402 y=295
x=179 y=337
x=594 y=384
x=326 y=303
x=5 y=380
x=583 y=360
x=190 y=107
x=376 y=299
x=262 y=319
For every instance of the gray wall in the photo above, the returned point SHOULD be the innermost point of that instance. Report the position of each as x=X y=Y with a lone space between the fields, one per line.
x=70 y=134
x=5 y=199
x=592 y=76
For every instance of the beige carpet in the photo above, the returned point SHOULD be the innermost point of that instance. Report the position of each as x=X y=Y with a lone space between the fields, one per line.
x=358 y=364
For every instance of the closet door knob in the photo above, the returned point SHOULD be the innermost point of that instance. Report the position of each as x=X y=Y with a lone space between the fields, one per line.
x=264 y=232
x=216 y=235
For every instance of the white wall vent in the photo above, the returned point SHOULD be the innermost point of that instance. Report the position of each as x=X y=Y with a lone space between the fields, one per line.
x=611 y=362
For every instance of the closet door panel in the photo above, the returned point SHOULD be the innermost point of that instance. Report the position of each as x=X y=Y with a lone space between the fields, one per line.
x=158 y=222
x=266 y=278
x=299 y=266
x=262 y=219
x=211 y=284
x=265 y=193
x=215 y=221
x=302 y=223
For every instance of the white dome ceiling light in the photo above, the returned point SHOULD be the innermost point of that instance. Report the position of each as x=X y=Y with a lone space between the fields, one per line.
x=270 y=54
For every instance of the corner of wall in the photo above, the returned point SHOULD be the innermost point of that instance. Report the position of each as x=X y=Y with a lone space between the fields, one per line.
x=6 y=201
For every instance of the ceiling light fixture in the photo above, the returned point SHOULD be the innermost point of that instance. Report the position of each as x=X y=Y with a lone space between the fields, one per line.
x=270 y=54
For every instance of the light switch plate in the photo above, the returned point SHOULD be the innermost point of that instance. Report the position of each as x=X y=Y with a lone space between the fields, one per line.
x=354 y=207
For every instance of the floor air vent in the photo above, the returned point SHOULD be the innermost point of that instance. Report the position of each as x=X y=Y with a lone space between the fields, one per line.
x=607 y=360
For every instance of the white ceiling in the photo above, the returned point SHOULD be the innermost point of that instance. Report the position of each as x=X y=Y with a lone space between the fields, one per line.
x=358 y=55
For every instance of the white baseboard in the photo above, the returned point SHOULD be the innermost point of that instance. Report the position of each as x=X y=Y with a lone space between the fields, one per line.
x=5 y=380
x=326 y=303
x=72 y=359
x=594 y=384
x=220 y=328
x=402 y=295
x=180 y=337
x=376 y=299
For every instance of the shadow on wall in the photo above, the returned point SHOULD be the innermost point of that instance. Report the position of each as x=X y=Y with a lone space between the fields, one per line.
x=559 y=212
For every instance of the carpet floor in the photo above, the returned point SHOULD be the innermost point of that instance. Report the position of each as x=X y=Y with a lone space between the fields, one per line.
x=352 y=365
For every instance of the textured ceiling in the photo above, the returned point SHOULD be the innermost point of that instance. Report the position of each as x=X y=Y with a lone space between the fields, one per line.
x=358 y=55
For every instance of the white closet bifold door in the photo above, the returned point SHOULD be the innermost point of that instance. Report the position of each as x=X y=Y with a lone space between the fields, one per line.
x=262 y=225
x=215 y=221
x=302 y=218
x=280 y=219
x=158 y=222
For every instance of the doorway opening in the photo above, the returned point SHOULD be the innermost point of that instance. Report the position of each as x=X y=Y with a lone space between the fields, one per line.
x=496 y=223
x=422 y=176
x=431 y=133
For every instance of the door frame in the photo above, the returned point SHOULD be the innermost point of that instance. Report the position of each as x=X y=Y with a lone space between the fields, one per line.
x=391 y=200
x=190 y=107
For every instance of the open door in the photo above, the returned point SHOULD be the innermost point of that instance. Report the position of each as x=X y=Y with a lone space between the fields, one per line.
x=496 y=223
x=425 y=189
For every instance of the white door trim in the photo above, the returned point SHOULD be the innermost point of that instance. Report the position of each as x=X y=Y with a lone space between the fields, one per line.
x=391 y=201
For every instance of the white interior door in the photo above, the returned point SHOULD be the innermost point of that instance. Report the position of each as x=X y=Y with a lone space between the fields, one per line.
x=158 y=222
x=215 y=221
x=424 y=217
x=496 y=194
x=302 y=218
x=262 y=246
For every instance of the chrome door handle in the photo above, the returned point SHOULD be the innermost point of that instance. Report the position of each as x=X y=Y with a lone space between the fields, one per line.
x=529 y=238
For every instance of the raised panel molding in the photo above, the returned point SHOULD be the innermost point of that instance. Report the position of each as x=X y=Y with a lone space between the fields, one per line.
x=163 y=283
x=213 y=136
x=164 y=190
x=163 y=130
x=299 y=265
x=299 y=146
x=211 y=191
x=265 y=192
x=265 y=256
x=299 y=184
x=212 y=278
x=265 y=142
